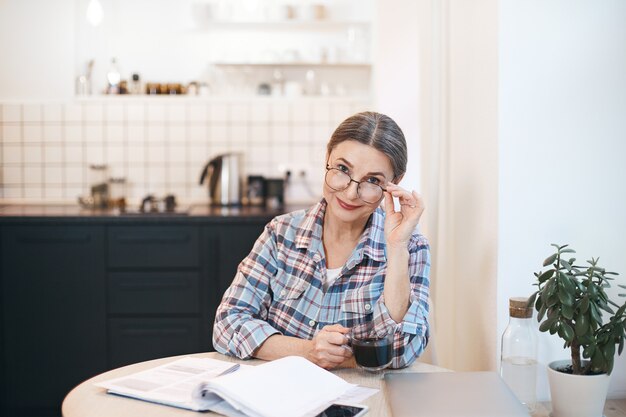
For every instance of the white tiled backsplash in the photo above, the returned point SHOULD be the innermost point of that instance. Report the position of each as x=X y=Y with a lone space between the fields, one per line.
x=159 y=144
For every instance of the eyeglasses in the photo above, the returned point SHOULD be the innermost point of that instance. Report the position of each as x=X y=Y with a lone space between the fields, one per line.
x=339 y=180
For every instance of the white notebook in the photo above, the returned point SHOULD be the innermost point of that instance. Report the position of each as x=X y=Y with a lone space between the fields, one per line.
x=291 y=386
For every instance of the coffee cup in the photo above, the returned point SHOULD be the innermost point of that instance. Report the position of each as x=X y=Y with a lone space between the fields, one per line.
x=372 y=349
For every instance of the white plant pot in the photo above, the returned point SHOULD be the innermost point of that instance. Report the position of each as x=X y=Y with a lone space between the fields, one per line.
x=576 y=395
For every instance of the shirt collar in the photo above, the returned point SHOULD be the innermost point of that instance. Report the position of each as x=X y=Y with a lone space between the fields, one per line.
x=371 y=244
x=373 y=239
x=311 y=226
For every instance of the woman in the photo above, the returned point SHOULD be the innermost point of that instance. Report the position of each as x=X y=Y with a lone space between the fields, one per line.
x=313 y=275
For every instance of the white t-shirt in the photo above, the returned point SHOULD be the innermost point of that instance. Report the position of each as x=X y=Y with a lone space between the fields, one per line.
x=331 y=276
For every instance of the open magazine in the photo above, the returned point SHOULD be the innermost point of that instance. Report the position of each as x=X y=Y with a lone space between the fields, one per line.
x=291 y=386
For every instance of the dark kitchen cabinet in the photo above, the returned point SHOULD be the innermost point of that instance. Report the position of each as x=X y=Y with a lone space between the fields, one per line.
x=235 y=243
x=152 y=314
x=158 y=246
x=138 y=339
x=53 y=313
x=226 y=245
x=81 y=296
x=153 y=292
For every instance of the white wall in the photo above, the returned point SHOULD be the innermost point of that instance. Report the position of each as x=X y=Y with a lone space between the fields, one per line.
x=562 y=145
x=36 y=49
x=397 y=71
x=177 y=40
x=44 y=45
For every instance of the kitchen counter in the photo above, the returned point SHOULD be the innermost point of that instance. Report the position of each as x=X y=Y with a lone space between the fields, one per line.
x=193 y=213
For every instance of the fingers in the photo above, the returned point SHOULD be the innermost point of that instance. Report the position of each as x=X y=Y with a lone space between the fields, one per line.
x=348 y=363
x=388 y=203
x=339 y=352
x=329 y=346
x=335 y=334
x=336 y=328
x=329 y=356
x=401 y=193
x=406 y=198
x=329 y=363
x=337 y=338
x=419 y=199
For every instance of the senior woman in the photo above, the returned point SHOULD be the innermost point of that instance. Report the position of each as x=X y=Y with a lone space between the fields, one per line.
x=314 y=274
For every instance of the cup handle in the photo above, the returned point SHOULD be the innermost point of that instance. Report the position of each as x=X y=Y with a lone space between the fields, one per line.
x=348 y=337
x=348 y=344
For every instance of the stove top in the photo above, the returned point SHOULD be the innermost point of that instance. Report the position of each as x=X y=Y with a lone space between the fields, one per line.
x=134 y=212
x=153 y=206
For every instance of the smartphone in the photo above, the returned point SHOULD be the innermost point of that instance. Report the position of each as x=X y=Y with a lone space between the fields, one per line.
x=344 y=410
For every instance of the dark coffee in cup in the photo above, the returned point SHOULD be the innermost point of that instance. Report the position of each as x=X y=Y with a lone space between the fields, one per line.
x=373 y=353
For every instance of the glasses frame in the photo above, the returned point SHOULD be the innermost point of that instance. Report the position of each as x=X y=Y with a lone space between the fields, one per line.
x=358 y=184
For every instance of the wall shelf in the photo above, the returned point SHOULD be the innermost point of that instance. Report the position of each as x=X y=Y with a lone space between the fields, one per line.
x=350 y=65
x=299 y=25
x=219 y=99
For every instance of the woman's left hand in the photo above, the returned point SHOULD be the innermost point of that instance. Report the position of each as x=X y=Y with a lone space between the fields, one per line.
x=399 y=225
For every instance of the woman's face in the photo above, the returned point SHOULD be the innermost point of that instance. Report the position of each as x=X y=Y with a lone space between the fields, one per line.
x=362 y=163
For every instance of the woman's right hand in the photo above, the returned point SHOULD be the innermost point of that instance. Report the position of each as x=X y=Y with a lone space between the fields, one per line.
x=328 y=347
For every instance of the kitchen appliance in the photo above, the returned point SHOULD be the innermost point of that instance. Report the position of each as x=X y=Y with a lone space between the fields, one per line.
x=275 y=192
x=256 y=190
x=224 y=178
x=151 y=204
x=156 y=206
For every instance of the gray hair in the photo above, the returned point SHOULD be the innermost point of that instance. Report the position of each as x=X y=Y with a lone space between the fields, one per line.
x=376 y=130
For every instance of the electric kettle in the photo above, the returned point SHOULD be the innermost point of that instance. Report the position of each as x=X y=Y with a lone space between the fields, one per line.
x=223 y=175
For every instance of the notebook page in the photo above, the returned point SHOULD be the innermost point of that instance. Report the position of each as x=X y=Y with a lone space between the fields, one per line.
x=290 y=386
x=171 y=383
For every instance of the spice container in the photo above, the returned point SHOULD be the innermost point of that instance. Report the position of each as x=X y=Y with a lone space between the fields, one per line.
x=117 y=192
x=98 y=174
x=135 y=84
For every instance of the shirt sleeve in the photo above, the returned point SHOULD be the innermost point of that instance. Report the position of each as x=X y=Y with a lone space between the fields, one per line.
x=411 y=334
x=240 y=321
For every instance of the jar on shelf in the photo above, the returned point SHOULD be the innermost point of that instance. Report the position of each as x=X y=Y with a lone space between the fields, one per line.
x=518 y=366
x=135 y=84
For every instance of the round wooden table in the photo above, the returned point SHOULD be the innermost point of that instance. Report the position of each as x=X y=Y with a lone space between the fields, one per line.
x=87 y=400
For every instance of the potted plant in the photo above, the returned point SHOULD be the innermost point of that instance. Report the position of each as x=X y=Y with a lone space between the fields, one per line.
x=571 y=301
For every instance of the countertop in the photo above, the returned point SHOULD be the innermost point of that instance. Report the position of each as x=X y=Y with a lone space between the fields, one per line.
x=10 y=213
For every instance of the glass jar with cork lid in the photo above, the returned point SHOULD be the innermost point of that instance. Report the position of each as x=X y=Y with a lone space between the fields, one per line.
x=98 y=174
x=518 y=366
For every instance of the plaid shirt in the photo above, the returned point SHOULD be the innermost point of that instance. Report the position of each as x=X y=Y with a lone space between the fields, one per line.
x=278 y=288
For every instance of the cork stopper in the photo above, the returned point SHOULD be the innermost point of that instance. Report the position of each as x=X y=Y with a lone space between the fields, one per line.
x=518 y=308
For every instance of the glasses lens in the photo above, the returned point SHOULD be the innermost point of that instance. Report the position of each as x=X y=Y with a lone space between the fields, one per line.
x=337 y=180
x=370 y=193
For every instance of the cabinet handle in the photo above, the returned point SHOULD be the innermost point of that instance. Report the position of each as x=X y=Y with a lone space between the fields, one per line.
x=174 y=283
x=173 y=331
x=154 y=239
x=82 y=238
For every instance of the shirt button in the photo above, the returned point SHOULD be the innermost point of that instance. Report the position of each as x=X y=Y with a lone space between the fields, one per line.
x=311 y=323
x=368 y=307
x=283 y=293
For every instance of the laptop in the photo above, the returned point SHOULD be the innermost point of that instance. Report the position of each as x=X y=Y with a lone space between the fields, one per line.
x=451 y=394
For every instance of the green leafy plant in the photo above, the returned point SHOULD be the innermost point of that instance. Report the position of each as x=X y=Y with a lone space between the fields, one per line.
x=571 y=301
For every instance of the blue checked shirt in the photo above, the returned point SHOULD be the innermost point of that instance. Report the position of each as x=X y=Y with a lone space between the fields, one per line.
x=278 y=288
